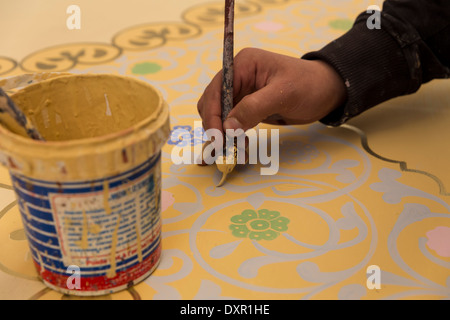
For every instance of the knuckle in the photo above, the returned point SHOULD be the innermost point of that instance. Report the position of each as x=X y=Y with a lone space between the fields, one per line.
x=200 y=107
x=247 y=104
x=245 y=52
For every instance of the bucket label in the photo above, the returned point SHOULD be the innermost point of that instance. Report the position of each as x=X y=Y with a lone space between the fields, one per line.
x=99 y=228
x=108 y=228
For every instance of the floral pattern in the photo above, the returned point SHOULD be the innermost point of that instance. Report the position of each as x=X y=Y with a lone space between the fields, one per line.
x=182 y=136
x=261 y=225
x=439 y=240
x=294 y=152
x=309 y=232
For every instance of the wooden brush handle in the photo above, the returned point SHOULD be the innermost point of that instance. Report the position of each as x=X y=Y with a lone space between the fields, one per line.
x=228 y=54
x=8 y=106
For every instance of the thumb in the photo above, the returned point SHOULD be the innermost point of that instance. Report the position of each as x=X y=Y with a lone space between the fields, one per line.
x=253 y=109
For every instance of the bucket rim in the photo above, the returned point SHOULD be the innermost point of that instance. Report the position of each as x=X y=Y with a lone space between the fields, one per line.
x=157 y=115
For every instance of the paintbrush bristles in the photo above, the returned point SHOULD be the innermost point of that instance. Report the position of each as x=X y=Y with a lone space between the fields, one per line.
x=228 y=53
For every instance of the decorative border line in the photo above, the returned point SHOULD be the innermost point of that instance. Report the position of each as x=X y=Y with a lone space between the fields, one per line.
x=403 y=165
x=60 y=58
x=7 y=64
x=134 y=294
x=5 y=269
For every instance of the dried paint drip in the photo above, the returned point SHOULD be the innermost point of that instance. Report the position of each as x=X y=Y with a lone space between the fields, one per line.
x=112 y=257
x=83 y=243
x=137 y=229
x=106 y=197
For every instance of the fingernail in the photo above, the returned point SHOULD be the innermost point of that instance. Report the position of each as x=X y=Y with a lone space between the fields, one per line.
x=232 y=123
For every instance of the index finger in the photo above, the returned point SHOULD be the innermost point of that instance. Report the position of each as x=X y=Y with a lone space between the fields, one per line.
x=209 y=104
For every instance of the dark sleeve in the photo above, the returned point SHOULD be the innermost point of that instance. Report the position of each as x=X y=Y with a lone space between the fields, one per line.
x=411 y=47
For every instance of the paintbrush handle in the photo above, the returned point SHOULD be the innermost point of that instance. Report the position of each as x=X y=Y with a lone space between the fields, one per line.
x=228 y=54
x=8 y=106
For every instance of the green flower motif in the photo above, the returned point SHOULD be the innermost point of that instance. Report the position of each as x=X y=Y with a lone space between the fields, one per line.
x=261 y=225
x=146 y=68
x=341 y=24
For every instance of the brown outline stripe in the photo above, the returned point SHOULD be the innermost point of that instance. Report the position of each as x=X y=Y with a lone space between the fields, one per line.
x=403 y=165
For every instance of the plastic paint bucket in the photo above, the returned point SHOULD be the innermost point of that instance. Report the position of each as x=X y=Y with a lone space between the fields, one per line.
x=89 y=196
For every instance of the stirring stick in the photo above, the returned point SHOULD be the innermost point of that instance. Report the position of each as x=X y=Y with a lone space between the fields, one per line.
x=8 y=106
x=227 y=83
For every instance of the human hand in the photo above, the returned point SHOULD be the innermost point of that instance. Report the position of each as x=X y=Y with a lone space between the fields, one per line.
x=275 y=89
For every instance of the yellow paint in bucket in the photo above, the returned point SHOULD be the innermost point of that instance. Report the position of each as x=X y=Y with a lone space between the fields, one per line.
x=90 y=195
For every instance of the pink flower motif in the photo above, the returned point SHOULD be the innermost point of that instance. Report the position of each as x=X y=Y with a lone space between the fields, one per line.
x=439 y=240
x=269 y=26
x=167 y=200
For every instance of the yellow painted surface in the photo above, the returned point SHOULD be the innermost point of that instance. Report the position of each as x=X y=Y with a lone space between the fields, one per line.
x=335 y=207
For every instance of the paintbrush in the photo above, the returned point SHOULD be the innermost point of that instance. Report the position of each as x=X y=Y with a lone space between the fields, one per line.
x=227 y=165
x=8 y=106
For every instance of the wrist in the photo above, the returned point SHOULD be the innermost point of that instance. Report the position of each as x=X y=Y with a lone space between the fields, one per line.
x=333 y=91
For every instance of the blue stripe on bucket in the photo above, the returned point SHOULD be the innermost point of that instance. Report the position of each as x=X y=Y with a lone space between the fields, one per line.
x=27 y=198
x=64 y=189
x=36 y=213
x=36 y=210
x=41 y=187
x=42 y=226
x=43 y=204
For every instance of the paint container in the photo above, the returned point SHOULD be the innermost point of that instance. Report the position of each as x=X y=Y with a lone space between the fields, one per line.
x=89 y=196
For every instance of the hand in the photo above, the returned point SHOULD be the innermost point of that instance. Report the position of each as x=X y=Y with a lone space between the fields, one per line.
x=275 y=89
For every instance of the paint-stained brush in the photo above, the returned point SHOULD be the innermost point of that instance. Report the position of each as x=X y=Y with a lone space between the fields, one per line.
x=8 y=106
x=223 y=164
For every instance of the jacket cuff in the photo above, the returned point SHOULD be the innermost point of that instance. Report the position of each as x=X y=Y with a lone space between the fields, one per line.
x=372 y=65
